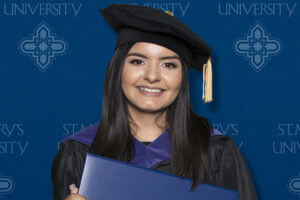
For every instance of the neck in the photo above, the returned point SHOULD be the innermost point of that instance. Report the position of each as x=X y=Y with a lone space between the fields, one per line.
x=144 y=127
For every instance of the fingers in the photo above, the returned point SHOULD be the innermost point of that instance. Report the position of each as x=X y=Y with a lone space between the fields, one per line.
x=73 y=189
x=74 y=193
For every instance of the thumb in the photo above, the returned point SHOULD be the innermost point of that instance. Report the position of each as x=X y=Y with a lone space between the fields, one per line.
x=73 y=189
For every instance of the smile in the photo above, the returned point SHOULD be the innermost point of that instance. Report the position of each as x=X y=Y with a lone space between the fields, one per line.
x=150 y=92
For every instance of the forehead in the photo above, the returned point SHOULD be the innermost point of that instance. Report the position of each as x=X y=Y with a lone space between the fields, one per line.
x=151 y=49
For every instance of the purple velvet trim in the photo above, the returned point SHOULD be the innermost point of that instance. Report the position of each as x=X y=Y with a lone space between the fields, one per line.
x=146 y=155
x=158 y=150
x=216 y=132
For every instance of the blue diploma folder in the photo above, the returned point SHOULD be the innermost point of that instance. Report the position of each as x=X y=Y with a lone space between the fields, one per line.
x=108 y=179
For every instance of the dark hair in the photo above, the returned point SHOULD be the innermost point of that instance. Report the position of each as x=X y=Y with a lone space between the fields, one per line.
x=190 y=132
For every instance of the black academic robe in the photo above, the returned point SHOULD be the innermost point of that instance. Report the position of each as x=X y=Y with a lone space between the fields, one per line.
x=227 y=167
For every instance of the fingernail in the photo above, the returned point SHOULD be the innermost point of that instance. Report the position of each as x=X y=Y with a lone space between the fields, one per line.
x=72 y=186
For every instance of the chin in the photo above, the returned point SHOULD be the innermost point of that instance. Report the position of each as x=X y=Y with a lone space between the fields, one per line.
x=149 y=109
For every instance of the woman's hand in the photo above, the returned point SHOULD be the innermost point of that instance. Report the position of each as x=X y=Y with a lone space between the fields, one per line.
x=74 y=194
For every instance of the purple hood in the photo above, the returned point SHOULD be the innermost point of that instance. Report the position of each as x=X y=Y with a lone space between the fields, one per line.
x=145 y=155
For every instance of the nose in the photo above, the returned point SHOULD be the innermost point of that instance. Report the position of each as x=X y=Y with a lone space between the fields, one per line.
x=152 y=73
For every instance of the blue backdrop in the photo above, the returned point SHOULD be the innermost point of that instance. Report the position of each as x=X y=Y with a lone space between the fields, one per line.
x=53 y=60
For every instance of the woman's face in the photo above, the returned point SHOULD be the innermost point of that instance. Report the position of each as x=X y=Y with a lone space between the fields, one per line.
x=151 y=77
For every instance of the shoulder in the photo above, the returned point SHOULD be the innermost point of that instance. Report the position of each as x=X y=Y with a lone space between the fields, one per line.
x=223 y=151
x=70 y=152
x=222 y=145
x=76 y=145
x=72 y=147
x=219 y=139
x=69 y=157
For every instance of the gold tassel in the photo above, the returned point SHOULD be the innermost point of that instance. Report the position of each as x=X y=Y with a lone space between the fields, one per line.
x=207 y=81
x=169 y=12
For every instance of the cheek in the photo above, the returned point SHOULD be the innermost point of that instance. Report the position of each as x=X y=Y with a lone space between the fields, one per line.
x=129 y=76
x=173 y=81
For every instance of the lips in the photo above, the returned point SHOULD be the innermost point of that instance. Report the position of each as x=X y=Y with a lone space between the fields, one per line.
x=150 y=91
x=149 y=88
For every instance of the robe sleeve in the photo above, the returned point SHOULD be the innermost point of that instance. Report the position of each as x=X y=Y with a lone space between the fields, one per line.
x=67 y=168
x=232 y=171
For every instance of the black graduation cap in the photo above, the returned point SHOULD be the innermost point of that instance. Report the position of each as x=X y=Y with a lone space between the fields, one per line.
x=135 y=23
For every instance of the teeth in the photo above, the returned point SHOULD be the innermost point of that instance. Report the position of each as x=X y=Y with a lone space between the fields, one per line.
x=150 y=90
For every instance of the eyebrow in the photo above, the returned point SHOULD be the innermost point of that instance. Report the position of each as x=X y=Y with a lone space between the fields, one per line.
x=161 y=58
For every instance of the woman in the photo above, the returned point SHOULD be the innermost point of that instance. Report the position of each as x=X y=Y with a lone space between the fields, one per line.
x=146 y=115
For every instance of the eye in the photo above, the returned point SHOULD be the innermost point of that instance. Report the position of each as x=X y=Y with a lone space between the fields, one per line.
x=136 y=62
x=170 y=65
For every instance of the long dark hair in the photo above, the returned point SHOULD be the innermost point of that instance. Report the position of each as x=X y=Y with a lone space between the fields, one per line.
x=190 y=132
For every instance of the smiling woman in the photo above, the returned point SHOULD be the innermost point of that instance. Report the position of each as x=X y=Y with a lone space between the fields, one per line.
x=147 y=119
x=151 y=82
